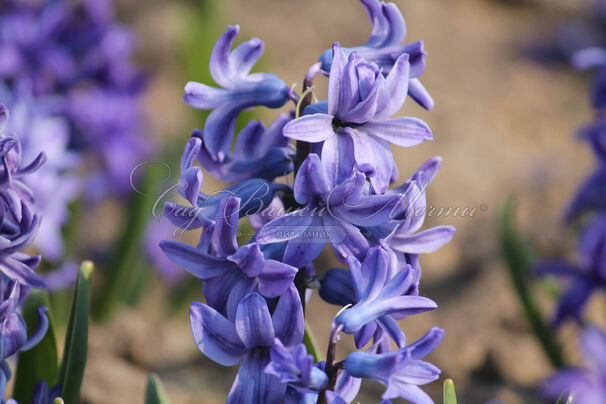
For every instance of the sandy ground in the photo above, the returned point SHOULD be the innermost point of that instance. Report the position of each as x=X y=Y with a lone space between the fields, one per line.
x=503 y=126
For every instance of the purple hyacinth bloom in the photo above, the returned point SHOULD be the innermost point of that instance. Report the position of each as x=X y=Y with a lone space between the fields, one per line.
x=25 y=49
x=402 y=371
x=586 y=384
x=385 y=46
x=585 y=277
x=35 y=121
x=331 y=212
x=379 y=301
x=248 y=339
x=355 y=123
x=295 y=367
x=13 y=331
x=258 y=153
x=18 y=223
x=256 y=193
x=241 y=90
x=108 y=123
x=76 y=54
x=229 y=271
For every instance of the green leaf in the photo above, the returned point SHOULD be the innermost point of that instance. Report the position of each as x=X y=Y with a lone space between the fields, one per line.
x=76 y=339
x=154 y=392
x=449 y=392
x=40 y=362
x=519 y=259
x=119 y=278
x=310 y=344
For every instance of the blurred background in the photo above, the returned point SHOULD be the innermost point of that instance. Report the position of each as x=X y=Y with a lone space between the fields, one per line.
x=507 y=108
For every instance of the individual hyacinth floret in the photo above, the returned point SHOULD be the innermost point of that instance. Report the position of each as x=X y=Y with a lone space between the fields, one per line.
x=257 y=279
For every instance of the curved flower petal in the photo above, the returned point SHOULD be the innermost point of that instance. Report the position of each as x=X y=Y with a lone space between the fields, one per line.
x=339 y=61
x=253 y=322
x=426 y=344
x=393 y=93
x=252 y=384
x=215 y=336
x=288 y=321
x=194 y=261
x=40 y=332
x=424 y=241
x=12 y=335
x=402 y=131
x=21 y=272
x=338 y=157
x=418 y=93
x=284 y=228
x=310 y=128
x=249 y=259
x=311 y=180
x=275 y=278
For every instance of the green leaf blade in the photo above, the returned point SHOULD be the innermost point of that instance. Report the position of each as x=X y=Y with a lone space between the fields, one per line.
x=76 y=340
x=450 y=396
x=519 y=259
x=155 y=392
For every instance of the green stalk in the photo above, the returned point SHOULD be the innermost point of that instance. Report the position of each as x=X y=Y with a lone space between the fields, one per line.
x=119 y=273
x=519 y=259
x=311 y=344
x=75 y=349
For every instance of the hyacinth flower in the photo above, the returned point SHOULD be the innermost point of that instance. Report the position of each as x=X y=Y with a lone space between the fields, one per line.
x=79 y=57
x=402 y=371
x=258 y=152
x=248 y=340
x=355 y=123
x=379 y=301
x=586 y=277
x=13 y=330
x=385 y=46
x=241 y=90
x=337 y=287
x=18 y=224
x=229 y=271
x=331 y=211
x=38 y=126
x=295 y=367
x=108 y=124
x=25 y=48
x=342 y=170
x=586 y=384
x=256 y=194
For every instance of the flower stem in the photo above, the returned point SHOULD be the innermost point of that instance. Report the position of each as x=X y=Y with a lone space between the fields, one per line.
x=519 y=260
x=332 y=367
x=304 y=148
